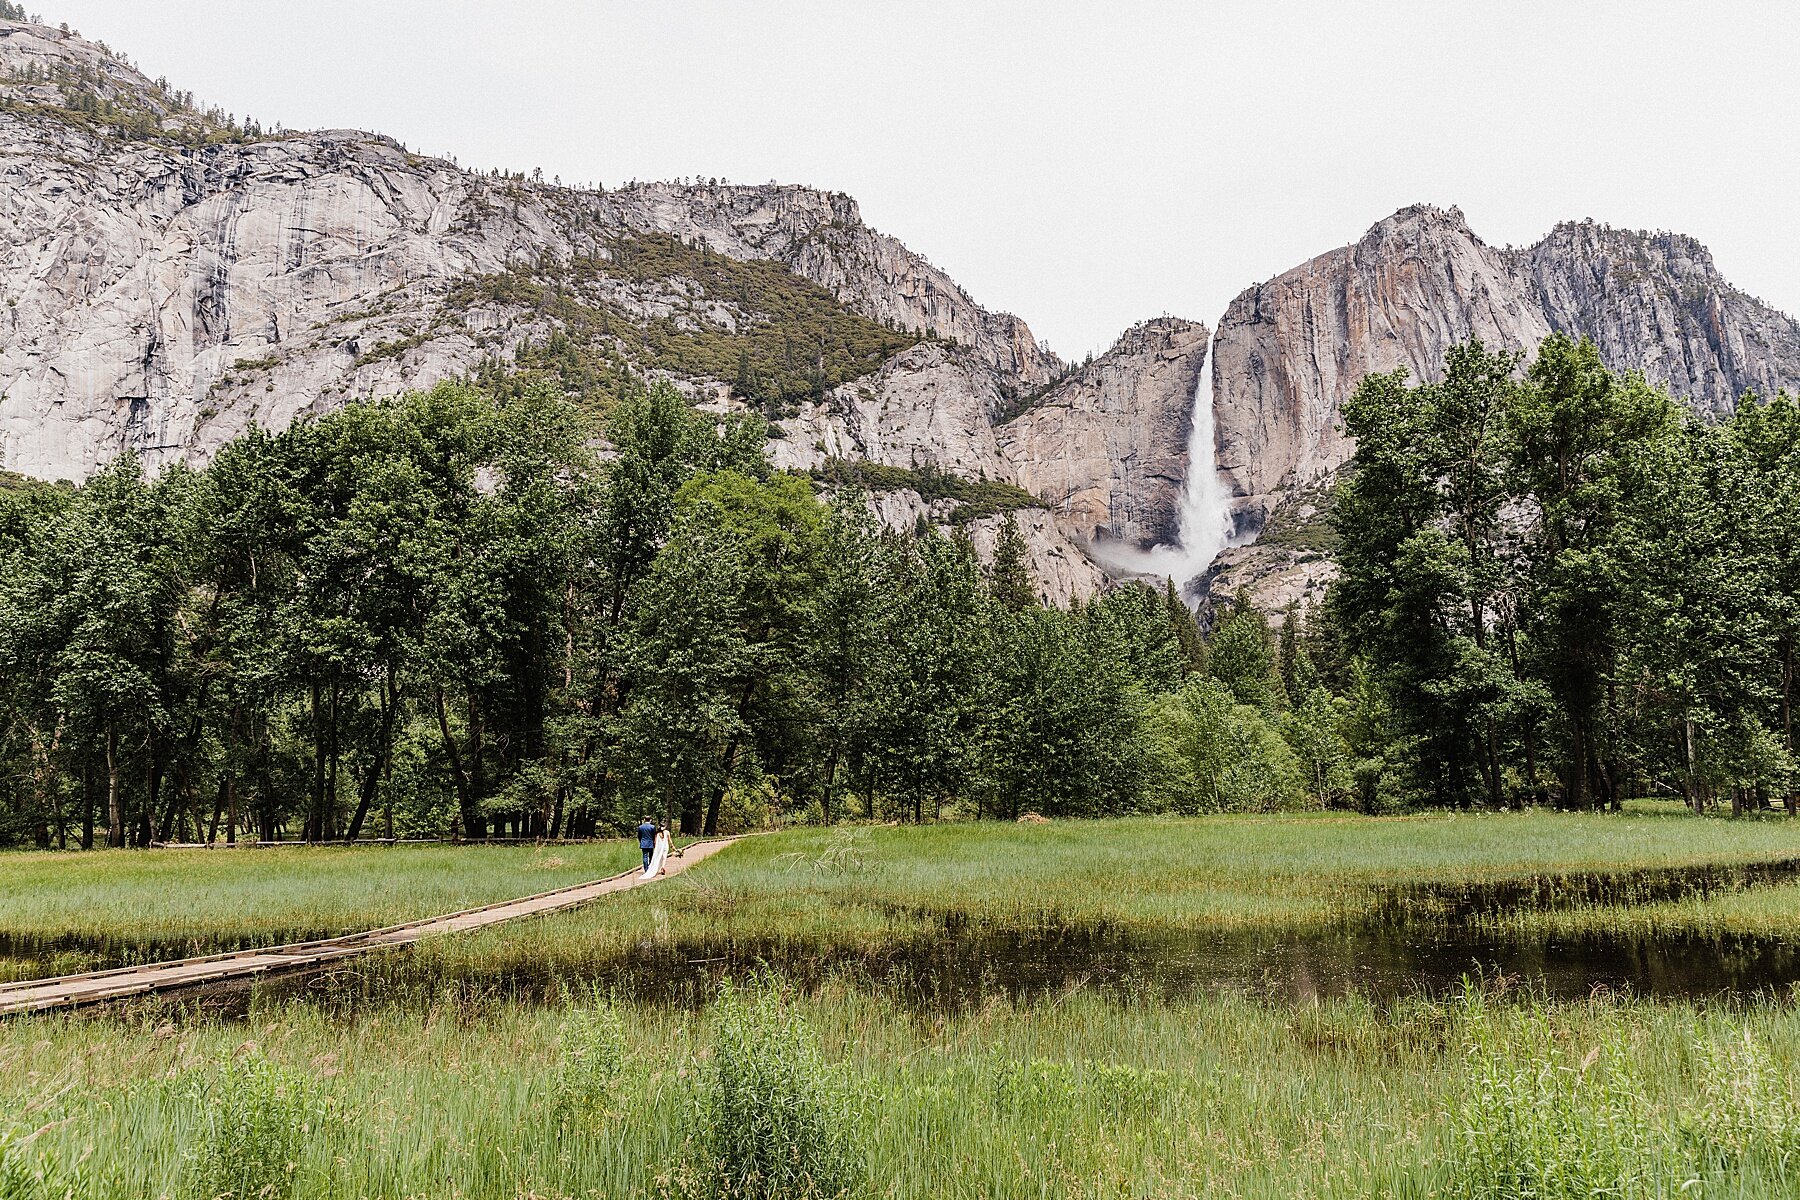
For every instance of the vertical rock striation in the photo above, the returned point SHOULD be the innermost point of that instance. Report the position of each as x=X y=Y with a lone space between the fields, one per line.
x=1289 y=351
x=1106 y=447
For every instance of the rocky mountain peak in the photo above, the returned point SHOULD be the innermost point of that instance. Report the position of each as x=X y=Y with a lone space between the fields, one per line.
x=1291 y=350
x=52 y=69
x=1655 y=301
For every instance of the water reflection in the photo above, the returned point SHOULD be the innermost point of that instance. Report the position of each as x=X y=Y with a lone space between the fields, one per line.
x=1415 y=939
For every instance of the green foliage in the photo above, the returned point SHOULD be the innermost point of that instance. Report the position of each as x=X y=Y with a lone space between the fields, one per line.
x=1302 y=522
x=778 y=1121
x=1191 y=644
x=1063 y=727
x=1565 y=592
x=1009 y=577
x=1048 y=1090
x=258 y=1119
x=1132 y=625
x=27 y=1171
x=1241 y=655
x=785 y=340
x=1223 y=756
x=1311 y=729
x=1537 y=1122
x=974 y=498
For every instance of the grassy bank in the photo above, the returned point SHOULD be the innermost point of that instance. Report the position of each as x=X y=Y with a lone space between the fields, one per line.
x=1077 y=1097
x=252 y=896
x=863 y=888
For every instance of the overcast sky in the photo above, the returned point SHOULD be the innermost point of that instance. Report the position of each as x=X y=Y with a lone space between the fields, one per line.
x=1085 y=165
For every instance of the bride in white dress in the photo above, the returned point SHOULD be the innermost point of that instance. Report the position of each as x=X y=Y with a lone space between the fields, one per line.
x=658 y=855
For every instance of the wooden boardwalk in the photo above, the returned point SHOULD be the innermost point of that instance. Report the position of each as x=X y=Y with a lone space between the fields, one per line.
x=70 y=991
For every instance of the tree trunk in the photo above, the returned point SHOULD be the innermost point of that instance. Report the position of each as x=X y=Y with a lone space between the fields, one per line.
x=158 y=773
x=218 y=812
x=1575 y=770
x=328 y=819
x=87 y=803
x=830 y=782
x=115 y=819
x=371 y=782
x=316 y=810
x=1491 y=768
x=473 y=827
x=1688 y=782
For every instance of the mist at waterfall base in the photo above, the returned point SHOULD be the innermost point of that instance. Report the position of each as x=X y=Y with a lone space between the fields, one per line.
x=1205 y=523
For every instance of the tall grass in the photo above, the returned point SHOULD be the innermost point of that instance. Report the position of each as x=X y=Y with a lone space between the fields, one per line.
x=800 y=893
x=436 y=1078
x=225 y=898
x=595 y=1056
x=256 y=1119
x=1190 y=873
x=779 y=1123
x=1488 y=1096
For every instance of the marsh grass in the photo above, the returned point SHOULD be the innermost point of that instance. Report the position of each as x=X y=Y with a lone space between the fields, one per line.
x=1492 y=1094
x=778 y=1122
x=174 y=902
x=1742 y=913
x=255 y=1120
x=445 y=1083
x=584 y=1081
x=836 y=894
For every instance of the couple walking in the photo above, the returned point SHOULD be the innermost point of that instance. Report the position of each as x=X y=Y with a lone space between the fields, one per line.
x=653 y=840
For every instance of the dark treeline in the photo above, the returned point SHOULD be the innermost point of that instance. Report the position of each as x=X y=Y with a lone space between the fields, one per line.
x=1567 y=590
x=450 y=615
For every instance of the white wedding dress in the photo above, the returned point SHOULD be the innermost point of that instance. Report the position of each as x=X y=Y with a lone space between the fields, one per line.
x=658 y=855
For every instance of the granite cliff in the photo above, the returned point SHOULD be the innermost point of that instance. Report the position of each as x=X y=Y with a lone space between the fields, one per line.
x=170 y=275
x=1289 y=351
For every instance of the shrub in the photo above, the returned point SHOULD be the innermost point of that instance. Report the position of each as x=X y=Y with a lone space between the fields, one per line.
x=1223 y=756
x=778 y=1122
x=257 y=1120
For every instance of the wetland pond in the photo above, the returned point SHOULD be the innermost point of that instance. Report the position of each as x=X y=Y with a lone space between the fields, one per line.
x=1416 y=939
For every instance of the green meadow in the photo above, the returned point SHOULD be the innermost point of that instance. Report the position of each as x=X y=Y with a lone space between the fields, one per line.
x=542 y=1060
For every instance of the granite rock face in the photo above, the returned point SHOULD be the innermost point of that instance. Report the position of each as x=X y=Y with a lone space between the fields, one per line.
x=1107 y=447
x=930 y=406
x=1655 y=301
x=165 y=288
x=1289 y=351
x=167 y=279
x=160 y=296
x=1063 y=573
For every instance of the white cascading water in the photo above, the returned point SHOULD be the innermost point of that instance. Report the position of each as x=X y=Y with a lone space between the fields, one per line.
x=1204 y=527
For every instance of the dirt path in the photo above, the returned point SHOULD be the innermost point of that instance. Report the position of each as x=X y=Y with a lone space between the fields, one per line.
x=69 y=991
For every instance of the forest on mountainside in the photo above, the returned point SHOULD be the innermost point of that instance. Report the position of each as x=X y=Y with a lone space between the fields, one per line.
x=449 y=615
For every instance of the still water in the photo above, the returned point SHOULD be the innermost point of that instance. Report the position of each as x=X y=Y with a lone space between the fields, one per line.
x=1418 y=939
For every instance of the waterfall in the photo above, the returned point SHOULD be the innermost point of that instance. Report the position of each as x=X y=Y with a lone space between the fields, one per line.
x=1204 y=527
